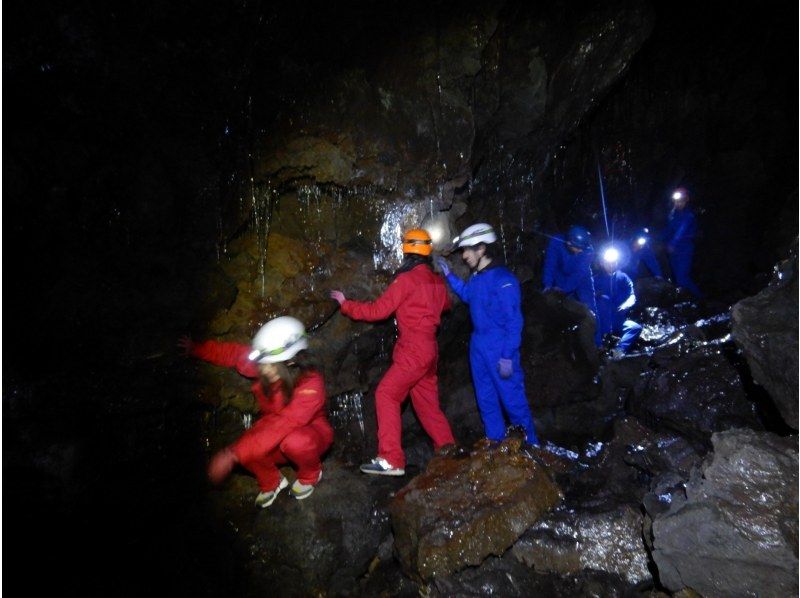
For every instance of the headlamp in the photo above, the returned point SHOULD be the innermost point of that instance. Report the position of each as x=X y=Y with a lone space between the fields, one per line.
x=641 y=241
x=677 y=195
x=611 y=255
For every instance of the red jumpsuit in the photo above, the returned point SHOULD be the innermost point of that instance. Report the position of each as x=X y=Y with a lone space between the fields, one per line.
x=417 y=298
x=297 y=432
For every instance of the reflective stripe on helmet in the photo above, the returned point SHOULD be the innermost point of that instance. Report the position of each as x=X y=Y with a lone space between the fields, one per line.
x=256 y=354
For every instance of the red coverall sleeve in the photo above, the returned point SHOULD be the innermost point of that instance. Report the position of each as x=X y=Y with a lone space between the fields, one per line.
x=231 y=355
x=380 y=309
x=307 y=401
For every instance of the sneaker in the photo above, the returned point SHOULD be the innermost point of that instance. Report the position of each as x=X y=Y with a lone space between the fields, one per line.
x=380 y=466
x=265 y=499
x=301 y=490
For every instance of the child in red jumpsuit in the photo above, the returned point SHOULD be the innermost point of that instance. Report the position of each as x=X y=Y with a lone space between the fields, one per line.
x=417 y=297
x=293 y=427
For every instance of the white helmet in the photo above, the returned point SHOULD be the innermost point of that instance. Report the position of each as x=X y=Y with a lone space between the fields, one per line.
x=279 y=340
x=477 y=233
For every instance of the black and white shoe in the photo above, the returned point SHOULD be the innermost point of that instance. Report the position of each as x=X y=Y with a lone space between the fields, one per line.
x=380 y=466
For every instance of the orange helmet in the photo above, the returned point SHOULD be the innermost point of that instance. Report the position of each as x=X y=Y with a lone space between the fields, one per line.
x=417 y=241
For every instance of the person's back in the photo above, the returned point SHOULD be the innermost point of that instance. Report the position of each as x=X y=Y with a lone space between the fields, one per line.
x=424 y=299
x=568 y=266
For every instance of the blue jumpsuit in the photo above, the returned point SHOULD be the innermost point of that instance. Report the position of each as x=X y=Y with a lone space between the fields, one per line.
x=680 y=232
x=570 y=272
x=644 y=255
x=615 y=291
x=493 y=296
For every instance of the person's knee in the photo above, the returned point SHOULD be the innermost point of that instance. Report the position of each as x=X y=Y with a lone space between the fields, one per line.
x=633 y=327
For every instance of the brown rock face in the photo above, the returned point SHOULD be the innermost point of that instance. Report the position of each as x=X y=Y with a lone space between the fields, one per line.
x=464 y=508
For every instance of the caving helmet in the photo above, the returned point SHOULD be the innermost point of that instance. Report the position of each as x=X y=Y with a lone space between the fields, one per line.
x=579 y=237
x=279 y=340
x=417 y=241
x=475 y=234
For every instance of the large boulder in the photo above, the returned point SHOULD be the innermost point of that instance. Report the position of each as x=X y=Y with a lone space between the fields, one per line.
x=694 y=390
x=735 y=533
x=765 y=327
x=466 y=507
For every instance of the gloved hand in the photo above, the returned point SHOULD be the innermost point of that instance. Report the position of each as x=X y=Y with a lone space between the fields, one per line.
x=221 y=465
x=338 y=296
x=443 y=265
x=186 y=345
x=505 y=367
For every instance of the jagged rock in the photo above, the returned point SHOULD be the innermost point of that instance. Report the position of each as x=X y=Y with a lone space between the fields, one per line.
x=465 y=507
x=735 y=534
x=625 y=469
x=507 y=577
x=694 y=392
x=322 y=544
x=560 y=360
x=765 y=327
x=567 y=542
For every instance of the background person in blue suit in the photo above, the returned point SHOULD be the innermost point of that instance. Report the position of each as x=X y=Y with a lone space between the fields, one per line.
x=568 y=267
x=641 y=252
x=615 y=298
x=493 y=295
x=679 y=239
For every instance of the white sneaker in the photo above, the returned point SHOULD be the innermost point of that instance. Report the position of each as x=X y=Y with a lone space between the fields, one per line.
x=301 y=491
x=380 y=466
x=265 y=499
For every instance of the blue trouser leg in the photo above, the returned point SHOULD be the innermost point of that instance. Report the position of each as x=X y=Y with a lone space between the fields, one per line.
x=510 y=391
x=681 y=264
x=486 y=395
x=512 y=395
x=648 y=256
x=630 y=332
x=605 y=319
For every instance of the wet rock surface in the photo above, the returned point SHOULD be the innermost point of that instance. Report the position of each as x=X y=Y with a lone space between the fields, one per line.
x=467 y=506
x=567 y=542
x=765 y=327
x=735 y=533
x=323 y=543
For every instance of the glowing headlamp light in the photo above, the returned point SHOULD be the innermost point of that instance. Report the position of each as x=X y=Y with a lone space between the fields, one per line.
x=641 y=241
x=611 y=255
x=677 y=195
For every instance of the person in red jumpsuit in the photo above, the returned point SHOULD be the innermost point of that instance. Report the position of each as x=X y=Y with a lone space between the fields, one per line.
x=293 y=427
x=417 y=297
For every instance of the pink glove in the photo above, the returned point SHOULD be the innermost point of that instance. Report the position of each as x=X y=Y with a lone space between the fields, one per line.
x=505 y=367
x=338 y=296
x=221 y=465
x=186 y=345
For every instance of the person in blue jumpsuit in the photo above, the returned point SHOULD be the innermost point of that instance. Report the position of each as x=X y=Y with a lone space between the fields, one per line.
x=493 y=295
x=679 y=240
x=568 y=268
x=641 y=252
x=615 y=298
